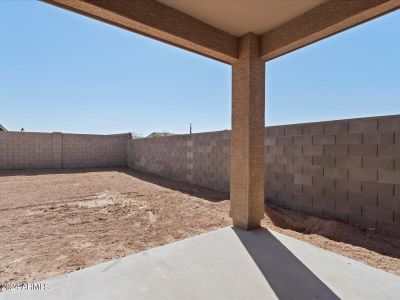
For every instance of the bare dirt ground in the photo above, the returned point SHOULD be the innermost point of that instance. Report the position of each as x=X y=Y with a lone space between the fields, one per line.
x=375 y=248
x=53 y=223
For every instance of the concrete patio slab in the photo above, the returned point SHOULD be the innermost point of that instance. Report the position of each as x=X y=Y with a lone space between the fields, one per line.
x=225 y=264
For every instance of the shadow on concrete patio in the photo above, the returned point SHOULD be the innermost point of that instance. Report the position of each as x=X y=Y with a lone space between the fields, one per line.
x=224 y=264
x=288 y=277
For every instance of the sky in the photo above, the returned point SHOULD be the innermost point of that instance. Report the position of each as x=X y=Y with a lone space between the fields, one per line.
x=60 y=71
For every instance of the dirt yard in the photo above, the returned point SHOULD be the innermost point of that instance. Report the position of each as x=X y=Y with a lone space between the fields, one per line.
x=52 y=223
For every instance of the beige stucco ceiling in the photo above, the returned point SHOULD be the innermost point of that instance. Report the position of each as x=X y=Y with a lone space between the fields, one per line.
x=239 y=17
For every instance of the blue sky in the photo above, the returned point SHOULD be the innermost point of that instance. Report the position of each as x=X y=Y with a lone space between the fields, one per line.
x=60 y=71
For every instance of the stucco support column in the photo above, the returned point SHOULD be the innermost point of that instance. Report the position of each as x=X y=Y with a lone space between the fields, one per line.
x=247 y=137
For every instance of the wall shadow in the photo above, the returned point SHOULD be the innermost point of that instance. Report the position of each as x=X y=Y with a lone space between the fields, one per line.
x=35 y=172
x=382 y=242
x=288 y=277
x=183 y=187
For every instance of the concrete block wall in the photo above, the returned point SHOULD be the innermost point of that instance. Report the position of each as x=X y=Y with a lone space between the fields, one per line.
x=164 y=156
x=28 y=150
x=211 y=159
x=346 y=169
x=87 y=151
x=201 y=158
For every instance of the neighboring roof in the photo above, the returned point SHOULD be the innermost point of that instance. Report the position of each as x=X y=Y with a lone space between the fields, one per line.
x=2 y=128
x=158 y=134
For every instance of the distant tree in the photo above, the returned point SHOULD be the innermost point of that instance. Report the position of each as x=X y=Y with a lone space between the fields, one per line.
x=159 y=134
x=136 y=135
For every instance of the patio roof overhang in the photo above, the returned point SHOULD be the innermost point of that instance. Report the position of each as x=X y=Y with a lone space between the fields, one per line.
x=212 y=28
x=244 y=34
